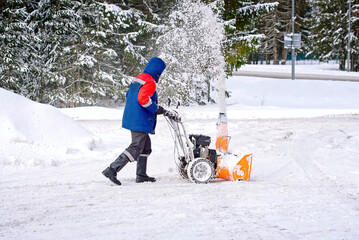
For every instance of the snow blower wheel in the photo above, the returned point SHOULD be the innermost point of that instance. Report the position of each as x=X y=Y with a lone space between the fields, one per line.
x=200 y=170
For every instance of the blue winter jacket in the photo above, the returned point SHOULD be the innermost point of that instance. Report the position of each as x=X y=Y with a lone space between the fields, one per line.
x=141 y=99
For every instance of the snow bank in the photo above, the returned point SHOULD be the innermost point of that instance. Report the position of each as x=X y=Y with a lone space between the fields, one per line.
x=34 y=133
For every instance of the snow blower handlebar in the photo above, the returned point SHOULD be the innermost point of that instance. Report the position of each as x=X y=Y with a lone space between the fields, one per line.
x=172 y=115
x=183 y=144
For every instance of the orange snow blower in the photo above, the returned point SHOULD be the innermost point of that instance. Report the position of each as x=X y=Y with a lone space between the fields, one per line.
x=228 y=166
x=196 y=162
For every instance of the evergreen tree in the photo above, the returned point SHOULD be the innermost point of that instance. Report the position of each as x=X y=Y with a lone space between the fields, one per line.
x=73 y=51
x=303 y=13
x=16 y=47
x=330 y=30
x=354 y=46
x=242 y=36
x=107 y=51
x=275 y=24
x=53 y=25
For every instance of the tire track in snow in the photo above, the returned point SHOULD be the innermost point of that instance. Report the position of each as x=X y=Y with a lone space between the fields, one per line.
x=300 y=154
x=311 y=168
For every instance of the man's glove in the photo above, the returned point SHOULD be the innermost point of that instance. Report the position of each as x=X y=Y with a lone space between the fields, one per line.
x=160 y=110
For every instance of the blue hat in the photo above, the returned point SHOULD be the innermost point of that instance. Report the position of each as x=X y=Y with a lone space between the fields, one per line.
x=155 y=67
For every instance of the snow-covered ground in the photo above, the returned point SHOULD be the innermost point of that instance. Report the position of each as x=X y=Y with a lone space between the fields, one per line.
x=304 y=136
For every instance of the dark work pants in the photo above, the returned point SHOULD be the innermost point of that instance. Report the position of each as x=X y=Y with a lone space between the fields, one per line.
x=140 y=146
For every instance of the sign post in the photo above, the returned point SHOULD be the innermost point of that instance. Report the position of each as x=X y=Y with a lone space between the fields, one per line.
x=292 y=41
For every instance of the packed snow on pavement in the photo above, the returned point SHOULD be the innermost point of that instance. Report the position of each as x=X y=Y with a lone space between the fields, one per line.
x=304 y=136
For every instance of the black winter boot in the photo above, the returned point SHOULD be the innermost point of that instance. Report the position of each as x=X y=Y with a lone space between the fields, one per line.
x=116 y=166
x=141 y=171
x=111 y=174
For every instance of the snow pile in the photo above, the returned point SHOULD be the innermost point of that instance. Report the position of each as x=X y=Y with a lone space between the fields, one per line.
x=34 y=133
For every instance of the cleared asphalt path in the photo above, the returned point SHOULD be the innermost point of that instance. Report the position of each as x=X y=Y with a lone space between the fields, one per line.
x=284 y=75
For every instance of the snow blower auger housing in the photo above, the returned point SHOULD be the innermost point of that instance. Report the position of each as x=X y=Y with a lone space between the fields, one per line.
x=197 y=162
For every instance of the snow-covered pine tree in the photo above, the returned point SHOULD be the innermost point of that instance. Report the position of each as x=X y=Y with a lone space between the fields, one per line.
x=278 y=22
x=192 y=48
x=54 y=25
x=16 y=47
x=242 y=37
x=106 y=52
x=90 y=73
x=72 y=51
x=303 y=13
x=273 y=26
x=354 y=36
x=330 y=30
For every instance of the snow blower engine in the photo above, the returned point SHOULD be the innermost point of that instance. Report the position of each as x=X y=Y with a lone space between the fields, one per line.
x=197 y=162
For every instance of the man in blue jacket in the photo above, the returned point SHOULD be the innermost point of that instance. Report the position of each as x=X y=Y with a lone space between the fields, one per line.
x=139 y=117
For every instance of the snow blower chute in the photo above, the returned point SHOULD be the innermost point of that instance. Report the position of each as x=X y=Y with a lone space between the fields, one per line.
x=195 y=161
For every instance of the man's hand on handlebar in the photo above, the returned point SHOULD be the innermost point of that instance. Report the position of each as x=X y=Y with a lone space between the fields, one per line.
x=173 y=115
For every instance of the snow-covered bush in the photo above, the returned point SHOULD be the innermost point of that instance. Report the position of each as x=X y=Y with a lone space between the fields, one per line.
x=192 y=49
